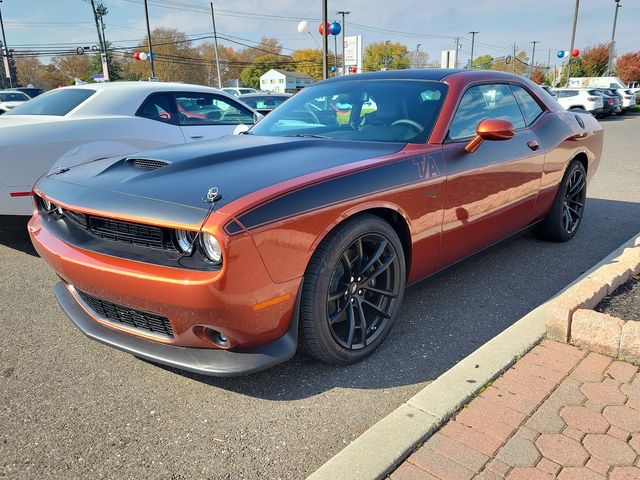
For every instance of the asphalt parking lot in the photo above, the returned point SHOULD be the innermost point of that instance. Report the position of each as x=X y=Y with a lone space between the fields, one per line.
x=71 y=408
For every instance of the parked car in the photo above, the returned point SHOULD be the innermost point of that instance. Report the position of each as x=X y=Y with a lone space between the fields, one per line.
x=264 y=102
x=580 y=99
x=613 y=98
x=32 y=92
x=237 y=91
x=607 y=103
x=628 y=99
x=10 y=99
x=218 y=257
x=82 y=123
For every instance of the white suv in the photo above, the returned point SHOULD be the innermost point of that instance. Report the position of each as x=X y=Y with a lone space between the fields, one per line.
x=580 y=99
x=628 y=98
x=237 y=91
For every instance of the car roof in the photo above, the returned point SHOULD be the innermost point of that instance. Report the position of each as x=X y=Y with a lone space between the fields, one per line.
x=265 y=94
x=150 y=86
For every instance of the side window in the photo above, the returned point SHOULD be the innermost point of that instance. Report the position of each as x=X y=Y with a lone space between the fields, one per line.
x=481 y=102
x=208 y=109
x=158 y=106
x=530 y=108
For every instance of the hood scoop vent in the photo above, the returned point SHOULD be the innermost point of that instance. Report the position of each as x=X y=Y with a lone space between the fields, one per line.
x=147 y=163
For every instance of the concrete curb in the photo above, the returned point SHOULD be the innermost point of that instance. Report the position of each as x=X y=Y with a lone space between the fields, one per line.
x=382 y=447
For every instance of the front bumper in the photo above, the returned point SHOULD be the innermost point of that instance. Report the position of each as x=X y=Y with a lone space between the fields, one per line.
x=204 y=361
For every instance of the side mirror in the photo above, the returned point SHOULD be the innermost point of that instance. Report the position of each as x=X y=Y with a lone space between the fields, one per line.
x=257 y=116
x=490 y=129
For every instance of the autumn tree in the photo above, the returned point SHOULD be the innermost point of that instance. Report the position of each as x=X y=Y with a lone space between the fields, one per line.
x=628 y=67
x=595 y=60
x=518 y=65
x=576 y=70
x=74 y=66
x=28 y=69
x=309 y=61
x=250 y=76
x=483 y=62
x=537 y=76
x=382 y=55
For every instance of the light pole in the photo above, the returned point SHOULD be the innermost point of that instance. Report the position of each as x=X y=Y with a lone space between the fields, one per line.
x=215 y=46
x=613 y=41
x=473 y=41
x=325 y=42
x=146 y=14
x=101 y=11
x=344 y=63
x=418 y=55
x=387 y=60
x=573 y=37
x=533 y=56
x=6 y=51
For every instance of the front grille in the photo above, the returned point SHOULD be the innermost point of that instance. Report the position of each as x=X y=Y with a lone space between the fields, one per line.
x=147 y=163
x=128 y=316
x=128 y=232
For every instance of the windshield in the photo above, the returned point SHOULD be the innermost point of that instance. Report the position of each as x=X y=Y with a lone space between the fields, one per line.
x=57 y=102
x=13 y=97
x=369 y=110
x=267 y=102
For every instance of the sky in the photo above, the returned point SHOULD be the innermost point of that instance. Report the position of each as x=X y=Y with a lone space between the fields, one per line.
x=67 y=24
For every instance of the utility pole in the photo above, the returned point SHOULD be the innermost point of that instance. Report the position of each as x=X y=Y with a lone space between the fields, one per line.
x=344 y=63
x=325 y=42
x=613 y=39
x=101 y=10
x=533 y=56
x=455 y=57
x=513 y=60
x=573 y=38
x=215 y=46
x=473 y=41
x=146 y=14
x=418 y=55
x=7 y=65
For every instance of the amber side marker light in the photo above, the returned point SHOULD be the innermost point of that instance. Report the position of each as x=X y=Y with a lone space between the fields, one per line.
x=270 y=303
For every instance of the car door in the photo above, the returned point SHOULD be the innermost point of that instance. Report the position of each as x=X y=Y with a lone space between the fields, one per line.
x=206 y=116
x=489 y=194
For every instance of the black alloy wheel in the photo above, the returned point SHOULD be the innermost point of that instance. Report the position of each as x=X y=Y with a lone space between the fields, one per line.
x=353 y=290
x=566 y=213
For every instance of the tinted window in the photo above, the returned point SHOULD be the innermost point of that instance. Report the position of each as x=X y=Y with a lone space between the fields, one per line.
x=158 y=107
x=481 y=102
x=530 y=108
x=208 y=109
x=379 y=110
x=57 y=102
x=13 y=97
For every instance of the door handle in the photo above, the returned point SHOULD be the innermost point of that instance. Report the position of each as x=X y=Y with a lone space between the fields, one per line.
x=197 y=137
x=533 y=145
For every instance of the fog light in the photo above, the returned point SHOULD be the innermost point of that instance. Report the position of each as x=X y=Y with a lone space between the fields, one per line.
x=217 y=337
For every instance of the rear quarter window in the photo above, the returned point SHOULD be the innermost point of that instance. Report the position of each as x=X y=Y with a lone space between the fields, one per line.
x=57 y=102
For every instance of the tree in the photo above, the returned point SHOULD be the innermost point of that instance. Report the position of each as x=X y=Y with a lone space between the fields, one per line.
x=309 y=61
x=250 y=76
x=74 y=66
x=628 y=67
x=483 y=62
x=595 y=60
x=383 y=55
x=576 y=70
x=28 y=69
x=537 y=76
x=518 y=65
x=115 y=69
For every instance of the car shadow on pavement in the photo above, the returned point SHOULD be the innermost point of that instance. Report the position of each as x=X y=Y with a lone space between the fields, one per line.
x=450 y=315
x=617 y=118
x=17 y=238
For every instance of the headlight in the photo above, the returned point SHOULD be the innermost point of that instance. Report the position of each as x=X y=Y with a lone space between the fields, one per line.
x=184 y=240
x=211 y=248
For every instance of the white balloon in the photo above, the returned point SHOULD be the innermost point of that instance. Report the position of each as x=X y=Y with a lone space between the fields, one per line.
x=304 y=27
x=143 y=56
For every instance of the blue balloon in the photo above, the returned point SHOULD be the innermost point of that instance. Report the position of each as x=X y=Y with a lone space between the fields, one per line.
x=560 y=53
x=334 y=69
x=335 y=28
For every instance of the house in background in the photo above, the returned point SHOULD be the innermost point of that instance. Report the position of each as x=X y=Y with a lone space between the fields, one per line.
x=284 y=82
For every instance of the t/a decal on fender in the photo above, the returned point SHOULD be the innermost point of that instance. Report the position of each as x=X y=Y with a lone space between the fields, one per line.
x=429 y=166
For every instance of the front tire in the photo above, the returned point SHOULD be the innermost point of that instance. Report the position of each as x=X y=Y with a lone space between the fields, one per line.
x=352 y=292
x=565 y=216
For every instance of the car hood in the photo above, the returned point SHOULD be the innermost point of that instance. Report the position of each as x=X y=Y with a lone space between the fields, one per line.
x=235 y=165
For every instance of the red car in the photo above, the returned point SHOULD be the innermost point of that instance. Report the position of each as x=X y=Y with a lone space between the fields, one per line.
x=225 y=257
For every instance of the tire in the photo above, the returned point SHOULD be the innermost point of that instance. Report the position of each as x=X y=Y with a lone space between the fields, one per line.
x=335 y=298
x=570 y=200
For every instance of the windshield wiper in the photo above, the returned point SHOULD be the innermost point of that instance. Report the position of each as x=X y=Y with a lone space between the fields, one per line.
x=307 y=135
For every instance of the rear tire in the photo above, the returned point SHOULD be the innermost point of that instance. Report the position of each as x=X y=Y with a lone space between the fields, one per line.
x=565 y=216
x=353 y=289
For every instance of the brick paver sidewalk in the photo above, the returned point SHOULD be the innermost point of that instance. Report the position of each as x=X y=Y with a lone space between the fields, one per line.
x=559 y=412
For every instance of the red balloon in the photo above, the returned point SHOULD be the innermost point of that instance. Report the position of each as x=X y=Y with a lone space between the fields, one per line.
x=575 y=52
x=136 y=56
x=322 y=30
x=354 y=69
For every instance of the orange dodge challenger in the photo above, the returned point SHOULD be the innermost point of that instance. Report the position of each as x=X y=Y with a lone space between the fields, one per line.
x=224 y=257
